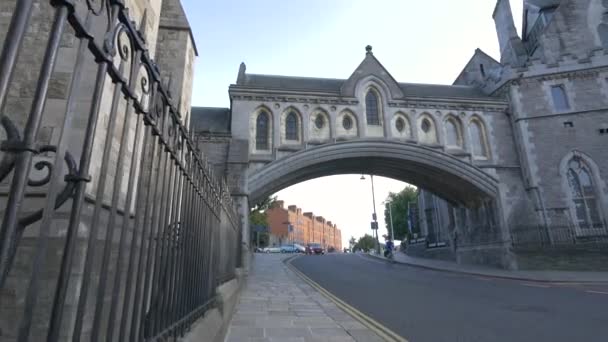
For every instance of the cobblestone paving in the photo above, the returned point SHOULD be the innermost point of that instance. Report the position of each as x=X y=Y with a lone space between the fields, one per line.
x=276 y=305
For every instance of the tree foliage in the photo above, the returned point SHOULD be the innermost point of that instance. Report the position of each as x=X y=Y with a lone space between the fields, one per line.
x=257 y=215
x=365 y=243
x=399 y=203
x=352 y=242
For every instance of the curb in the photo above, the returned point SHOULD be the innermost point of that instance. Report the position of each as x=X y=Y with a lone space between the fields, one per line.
x=379 y=329
x=479 y=274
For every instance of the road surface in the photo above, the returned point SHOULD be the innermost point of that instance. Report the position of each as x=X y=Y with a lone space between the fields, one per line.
x=423 y=305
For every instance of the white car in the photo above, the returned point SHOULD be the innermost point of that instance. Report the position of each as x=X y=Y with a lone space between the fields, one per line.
x=272 y=250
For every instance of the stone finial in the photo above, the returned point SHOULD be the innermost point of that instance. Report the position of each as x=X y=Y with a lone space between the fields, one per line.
x=241 y=76
x=368 y=50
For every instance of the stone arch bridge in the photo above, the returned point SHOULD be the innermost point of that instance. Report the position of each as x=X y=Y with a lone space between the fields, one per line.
x=453 y=141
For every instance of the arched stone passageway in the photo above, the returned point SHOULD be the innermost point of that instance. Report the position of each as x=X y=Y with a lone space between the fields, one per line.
x=474 y=229
x=431 y=169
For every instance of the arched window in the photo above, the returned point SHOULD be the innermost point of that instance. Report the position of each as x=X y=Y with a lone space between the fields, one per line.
x=347 y=122
x=400 y=124
x=478 y=139
x=560 y=98
x=371 y=108
x=584 y=202
x=291 y=126
x=427 y=130
x=452 y=133
x=262 y=131
x=319 y=121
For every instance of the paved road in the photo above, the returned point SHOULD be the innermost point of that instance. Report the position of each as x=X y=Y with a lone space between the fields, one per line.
x=423 y=305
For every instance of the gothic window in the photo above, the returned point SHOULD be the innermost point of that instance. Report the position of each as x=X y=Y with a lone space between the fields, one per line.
x=427 y=131
x=426 y=125
x=452 y=133
x=291 y=127
x=400 y=125
x=371 y=108
x=560 y=98
x=584 y=202
x=478 y=139
x=347 y=122
x=262 y=131
x=319 y=121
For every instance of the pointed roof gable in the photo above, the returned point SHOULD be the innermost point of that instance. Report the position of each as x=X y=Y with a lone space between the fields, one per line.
x=471 y=73
x=371 y=67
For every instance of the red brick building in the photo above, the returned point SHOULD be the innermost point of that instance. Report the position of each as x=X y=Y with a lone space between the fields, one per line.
x=306 y=227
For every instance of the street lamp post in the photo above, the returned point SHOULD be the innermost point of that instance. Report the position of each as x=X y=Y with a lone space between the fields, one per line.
x=390 y=216
x=375 y=217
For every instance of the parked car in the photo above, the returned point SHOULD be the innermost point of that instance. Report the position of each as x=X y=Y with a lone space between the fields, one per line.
x=316 y=249
x=272 y=250
x=288 y=249
x=299 y=248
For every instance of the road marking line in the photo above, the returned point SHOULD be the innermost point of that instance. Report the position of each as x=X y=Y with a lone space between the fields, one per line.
x=382 y=331
x=600 y=292
x=535 y=285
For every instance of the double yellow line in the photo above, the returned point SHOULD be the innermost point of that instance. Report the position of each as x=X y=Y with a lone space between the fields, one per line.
x=380 y=330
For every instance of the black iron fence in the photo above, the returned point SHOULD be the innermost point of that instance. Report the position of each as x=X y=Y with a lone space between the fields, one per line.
x=557 y=235
x=113 y=225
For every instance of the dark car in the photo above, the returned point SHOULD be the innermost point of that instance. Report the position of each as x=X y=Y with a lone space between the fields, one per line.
x=316 y=248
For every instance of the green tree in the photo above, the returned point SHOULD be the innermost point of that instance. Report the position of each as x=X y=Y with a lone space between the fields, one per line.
x=257 y=214
x=352 y=242
x=398 y=203
x=257 y=217
x=365 y=243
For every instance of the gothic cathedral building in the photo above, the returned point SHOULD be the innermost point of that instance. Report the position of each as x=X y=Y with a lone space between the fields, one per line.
x=535 y=122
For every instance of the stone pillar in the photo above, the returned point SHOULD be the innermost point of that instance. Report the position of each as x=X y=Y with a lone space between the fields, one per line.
x=175 y=55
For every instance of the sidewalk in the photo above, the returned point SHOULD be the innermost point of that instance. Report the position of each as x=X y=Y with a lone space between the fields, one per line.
x=276 y=305
x=541 y=276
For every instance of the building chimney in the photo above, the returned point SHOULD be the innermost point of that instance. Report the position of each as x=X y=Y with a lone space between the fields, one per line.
x=511 y=46
x=279 y=204
x=309 y=215
x=292 y=208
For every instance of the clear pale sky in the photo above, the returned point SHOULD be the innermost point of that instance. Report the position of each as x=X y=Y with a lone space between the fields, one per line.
x=417 y=41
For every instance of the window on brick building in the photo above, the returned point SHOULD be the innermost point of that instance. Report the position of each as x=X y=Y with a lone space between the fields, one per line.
x=560 y=98
x=262 y=131
x=291 y=127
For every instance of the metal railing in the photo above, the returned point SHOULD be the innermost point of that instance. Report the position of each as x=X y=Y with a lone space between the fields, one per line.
x=125 y=233
x=557 y=236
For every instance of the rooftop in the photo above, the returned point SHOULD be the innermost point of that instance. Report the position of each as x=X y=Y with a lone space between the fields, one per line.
x=332 y=85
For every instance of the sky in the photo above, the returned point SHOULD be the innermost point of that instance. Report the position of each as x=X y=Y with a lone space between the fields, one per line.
x=417 y=41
